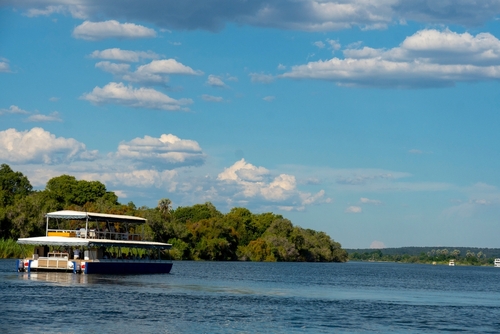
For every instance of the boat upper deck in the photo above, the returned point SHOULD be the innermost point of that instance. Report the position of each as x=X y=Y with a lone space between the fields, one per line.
x=92 y=229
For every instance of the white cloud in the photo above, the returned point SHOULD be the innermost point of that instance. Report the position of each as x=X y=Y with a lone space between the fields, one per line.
x=156 y=71
x=334 y=44
x=118 y=93
x=353 y=209
x=305 y=15
x=111 y=29
x=168 y=150
x=319 y=44
x=14 y=110
x=257 y=183
x=269 y=98
x=123 y=55
x=261 y=77
x=113 y=68
x=37 y=146
x=365 y=200
x=167 y=66
x=4 y=66
x=78 y=11
x=215 y=81
x=33 y=12
x=211 y=98
x=139 y=178
x=427 y=58
x=377 y=245
x=243 y=171
x=52 y=117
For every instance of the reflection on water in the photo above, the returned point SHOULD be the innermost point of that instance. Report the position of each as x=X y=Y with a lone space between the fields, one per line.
x=56 y=277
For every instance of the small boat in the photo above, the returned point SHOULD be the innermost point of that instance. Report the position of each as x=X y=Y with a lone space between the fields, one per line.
x=107 y=244
x=496 y=263
x=451 y=263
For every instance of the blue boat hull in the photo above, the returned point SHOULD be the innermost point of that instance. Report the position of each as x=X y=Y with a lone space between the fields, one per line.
x=126 y=268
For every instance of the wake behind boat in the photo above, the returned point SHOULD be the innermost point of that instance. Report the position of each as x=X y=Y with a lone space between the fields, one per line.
x=96 y=248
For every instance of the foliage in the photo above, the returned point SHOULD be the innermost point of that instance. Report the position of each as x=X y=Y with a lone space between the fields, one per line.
x=431 y=255
x=9 y=248
x=198 y=232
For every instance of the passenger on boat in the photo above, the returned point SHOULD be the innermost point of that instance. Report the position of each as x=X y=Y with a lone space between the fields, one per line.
x=76 y=253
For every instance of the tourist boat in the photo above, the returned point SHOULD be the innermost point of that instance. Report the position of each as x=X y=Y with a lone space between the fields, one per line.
x=451 y=263
x=496 y=263
x=102 y=244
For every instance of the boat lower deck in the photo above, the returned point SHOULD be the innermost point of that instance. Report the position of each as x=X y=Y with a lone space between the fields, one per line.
x=95 y=266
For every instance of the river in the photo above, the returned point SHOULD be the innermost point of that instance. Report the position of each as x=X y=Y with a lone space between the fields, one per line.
x=245 y=297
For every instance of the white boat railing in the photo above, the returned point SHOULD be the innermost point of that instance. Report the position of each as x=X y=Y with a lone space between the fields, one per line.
x=94 y=234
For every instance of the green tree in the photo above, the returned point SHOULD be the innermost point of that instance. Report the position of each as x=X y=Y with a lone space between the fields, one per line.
x=13 y=185
x=196 y=212
x=67 y=191
x=165 y=208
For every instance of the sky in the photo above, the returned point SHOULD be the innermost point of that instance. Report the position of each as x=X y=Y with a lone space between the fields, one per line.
x=376 y=122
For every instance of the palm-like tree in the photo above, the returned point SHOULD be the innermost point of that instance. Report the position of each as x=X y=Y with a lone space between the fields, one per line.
x=165 y=205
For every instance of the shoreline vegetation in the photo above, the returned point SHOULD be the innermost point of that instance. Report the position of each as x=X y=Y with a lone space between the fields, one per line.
x=198 y=232
x=427 y=255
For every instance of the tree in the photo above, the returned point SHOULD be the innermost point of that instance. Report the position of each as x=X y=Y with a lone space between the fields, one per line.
x=67 y=190
x=13 y=185
x=165 y=207
x=196 y=212
x=27 y=216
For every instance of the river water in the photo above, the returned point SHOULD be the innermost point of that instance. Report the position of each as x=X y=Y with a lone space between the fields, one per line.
x=243 y=297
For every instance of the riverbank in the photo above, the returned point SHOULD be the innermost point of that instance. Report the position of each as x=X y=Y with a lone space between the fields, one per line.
x=428 y=255
x=9 y=249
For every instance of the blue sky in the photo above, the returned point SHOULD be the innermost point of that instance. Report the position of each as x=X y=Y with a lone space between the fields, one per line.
x=374 y=121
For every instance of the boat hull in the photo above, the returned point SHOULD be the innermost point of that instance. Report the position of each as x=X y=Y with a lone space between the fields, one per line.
x=126 y=268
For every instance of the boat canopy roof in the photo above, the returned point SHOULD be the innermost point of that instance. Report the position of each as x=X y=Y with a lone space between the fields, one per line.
x=72 y=242
x=104 y=217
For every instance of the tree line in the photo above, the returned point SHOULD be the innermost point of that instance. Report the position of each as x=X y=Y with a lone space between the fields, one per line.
x=461 y=255
x=198 y=232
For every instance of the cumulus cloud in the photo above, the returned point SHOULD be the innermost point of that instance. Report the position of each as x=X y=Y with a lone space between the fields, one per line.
x=93 y=31
x=38 y=146
x=305 y=15
x=166 y=151
x=76 y=10
x=4 y=65
x=148 y=98
x=113 y=68
x=156 y=71
x=13 y=110
x=365 y=200
x=353 y=209
x=40 y=118
x=123 y=55
x=215 y=81
x=319 y=44
x=261 y=78
x=258 y=183
x=429 y=58
x=334 y=44
x=148 y=167
x=210 y=98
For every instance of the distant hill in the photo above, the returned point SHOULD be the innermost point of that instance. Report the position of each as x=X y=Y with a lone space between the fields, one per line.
x=415 y=251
